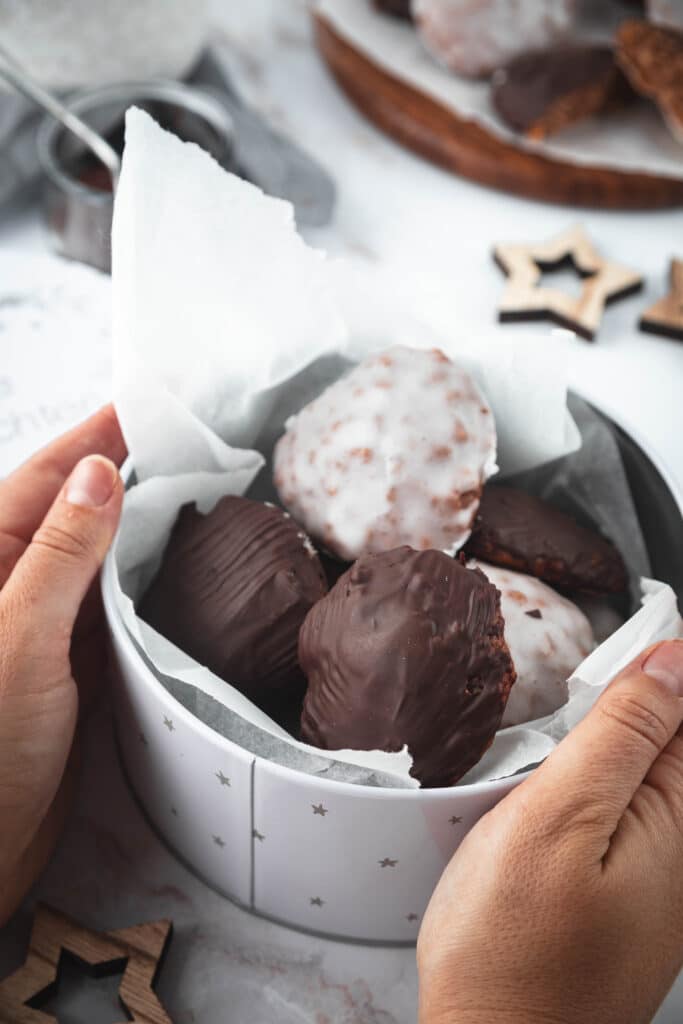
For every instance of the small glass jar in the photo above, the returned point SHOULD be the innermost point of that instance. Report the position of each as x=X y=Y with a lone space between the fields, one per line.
x=77 y=198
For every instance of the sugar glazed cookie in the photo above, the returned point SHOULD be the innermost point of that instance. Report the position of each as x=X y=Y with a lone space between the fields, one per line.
x=407 y=649
x=396 y=452
x=548 y=637
x=519 y=531
x=474 y=37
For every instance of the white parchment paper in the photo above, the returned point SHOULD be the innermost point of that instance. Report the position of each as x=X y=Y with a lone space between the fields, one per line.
x=633 y=139
x=224 y=324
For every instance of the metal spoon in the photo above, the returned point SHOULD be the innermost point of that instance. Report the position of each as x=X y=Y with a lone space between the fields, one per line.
x=17 y=76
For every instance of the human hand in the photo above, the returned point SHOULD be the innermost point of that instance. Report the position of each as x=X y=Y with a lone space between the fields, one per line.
x=58 y=515
x=565 y=903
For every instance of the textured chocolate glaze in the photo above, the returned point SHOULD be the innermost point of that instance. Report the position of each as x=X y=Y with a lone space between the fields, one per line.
x=232 y=591
x=518 y=531
x=541 y=92
x=399 y=8
x=407 y=648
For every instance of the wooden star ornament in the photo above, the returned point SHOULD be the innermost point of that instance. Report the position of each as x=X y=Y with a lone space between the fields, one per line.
x=666 y=316
x=525 y=299
x=137 y=951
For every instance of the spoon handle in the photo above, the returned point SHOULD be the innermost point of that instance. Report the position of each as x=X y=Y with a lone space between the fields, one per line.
x=16 y=76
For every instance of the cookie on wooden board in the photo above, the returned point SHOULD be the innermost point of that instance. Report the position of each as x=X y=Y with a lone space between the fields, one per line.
x=652 y=59
x=474 y=37
x=543 y=91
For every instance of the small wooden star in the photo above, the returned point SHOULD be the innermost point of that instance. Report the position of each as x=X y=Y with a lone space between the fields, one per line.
x=138 y=951
x=666 y=316
x=223 y=779
x=258 y=835
x=315 y=901
x=411 y=917
x=455 y=820
x=524 y=299
x=319 y=809
x=218 y=841
x=387 y=862
x=168 y=722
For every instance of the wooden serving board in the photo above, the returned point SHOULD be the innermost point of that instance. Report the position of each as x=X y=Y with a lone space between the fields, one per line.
x=468 y=149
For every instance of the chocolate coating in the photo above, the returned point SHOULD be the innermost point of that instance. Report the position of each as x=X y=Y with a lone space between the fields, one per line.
x=543 y=91
x=518 y=531
x=407 y=648
x=232 y=591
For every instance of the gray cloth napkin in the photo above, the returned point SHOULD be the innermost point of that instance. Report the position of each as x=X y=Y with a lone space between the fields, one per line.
x=262 y=155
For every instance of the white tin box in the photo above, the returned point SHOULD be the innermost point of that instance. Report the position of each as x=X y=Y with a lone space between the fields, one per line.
x=340 y=859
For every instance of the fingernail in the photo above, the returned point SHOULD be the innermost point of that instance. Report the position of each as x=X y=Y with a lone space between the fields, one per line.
x=92 y=482
x=665 y=664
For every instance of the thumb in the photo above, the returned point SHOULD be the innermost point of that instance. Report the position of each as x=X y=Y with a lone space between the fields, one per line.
x=593 y=775
x=45 y=590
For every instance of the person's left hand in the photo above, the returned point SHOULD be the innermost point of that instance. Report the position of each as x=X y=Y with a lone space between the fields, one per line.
x=58 y=516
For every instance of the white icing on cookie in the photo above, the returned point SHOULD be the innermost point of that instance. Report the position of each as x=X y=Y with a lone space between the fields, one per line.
x=394 y=453
x=474 y=37
x=545 y=650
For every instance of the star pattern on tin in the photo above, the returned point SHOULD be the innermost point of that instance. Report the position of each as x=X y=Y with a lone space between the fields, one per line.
x=223 y=779
x=218 y=841
x=258 y=835
x=168 y=722
x=526 y=298
x=454 y=820
x=315 y=901
x=319 y=809
x=411 y=917
x=387 y=862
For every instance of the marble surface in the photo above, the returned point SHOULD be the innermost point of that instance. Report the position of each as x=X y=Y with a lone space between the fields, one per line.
x=434 y=234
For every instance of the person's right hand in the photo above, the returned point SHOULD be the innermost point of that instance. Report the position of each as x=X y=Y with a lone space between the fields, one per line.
x=564 y=905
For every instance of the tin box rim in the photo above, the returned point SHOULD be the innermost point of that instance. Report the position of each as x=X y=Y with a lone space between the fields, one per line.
x=152 y=683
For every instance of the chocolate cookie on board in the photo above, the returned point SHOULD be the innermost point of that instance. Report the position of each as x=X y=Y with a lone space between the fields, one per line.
x=541 y=92
x=407 y=649
x=518 y=531
x=232 y=591
x=652 y=59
